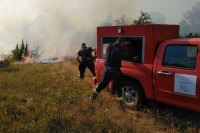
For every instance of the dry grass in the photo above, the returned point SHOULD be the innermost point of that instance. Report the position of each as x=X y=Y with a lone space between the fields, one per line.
x=51 y=98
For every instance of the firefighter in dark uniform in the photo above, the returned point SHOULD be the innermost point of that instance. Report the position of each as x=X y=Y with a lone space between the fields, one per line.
x=114 y=55
x=86 y=60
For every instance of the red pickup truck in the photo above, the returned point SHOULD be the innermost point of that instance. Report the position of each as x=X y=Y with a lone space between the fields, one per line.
x=158 y=64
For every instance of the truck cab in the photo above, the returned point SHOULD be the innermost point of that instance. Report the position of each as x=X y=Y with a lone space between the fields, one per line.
x=158 y=64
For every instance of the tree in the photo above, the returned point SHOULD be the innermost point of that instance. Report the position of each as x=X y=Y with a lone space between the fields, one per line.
x=123 y=20
x=22 y=50
x=26 y=50
x=7 y=59
x=143 y=19
x=191 y=35
x=16 y=53
x=19 y=53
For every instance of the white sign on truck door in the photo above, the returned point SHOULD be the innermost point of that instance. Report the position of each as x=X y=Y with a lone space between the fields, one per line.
x=185 y=84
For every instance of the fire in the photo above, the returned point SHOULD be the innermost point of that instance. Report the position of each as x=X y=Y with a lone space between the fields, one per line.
x=34 y=57
x=26 y=60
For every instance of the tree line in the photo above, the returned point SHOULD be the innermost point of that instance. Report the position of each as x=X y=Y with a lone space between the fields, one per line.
x=143 y=19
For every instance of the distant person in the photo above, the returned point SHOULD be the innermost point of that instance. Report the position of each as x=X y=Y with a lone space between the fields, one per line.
x=86 y=60
x=114 y=55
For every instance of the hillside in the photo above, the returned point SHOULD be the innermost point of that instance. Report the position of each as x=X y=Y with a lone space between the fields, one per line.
x=51 y=98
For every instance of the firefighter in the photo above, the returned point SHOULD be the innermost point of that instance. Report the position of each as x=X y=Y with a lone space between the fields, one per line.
x=114 y=55
x=86 y=60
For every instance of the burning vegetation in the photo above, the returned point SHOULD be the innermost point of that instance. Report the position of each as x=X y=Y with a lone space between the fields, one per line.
x=24 y=55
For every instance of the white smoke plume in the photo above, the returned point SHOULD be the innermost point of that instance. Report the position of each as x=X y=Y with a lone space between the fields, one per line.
x=57 y=27
x=157 y=17
x=191 y=20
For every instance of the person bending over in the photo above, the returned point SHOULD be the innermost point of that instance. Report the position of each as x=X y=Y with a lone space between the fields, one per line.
x=114 y=55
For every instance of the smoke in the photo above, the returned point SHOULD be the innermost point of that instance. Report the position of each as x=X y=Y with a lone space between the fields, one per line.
x=109 y=20
x=157 y=17
x=53 y=32
x=191 y=20
x=57 y=27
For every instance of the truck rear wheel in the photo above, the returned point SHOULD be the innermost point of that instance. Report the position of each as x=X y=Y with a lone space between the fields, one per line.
x=133 y=95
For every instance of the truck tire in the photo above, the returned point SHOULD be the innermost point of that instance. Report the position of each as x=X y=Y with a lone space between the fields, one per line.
x=133 y=95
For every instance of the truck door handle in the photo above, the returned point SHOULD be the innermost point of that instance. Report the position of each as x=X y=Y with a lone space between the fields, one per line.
x=165 y=73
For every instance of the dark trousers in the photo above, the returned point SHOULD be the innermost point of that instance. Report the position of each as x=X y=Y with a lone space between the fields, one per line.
x=107 y=77
x=86 y=63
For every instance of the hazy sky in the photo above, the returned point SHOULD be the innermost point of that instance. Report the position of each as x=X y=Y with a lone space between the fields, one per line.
x=60 y=26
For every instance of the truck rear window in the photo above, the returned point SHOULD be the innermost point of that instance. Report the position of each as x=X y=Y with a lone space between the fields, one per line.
x=134 y=51
x=181 y=56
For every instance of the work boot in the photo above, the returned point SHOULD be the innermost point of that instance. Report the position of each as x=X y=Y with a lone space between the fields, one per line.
x=94 y=96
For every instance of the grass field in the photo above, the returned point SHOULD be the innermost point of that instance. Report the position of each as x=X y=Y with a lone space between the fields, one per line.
x=51 y=98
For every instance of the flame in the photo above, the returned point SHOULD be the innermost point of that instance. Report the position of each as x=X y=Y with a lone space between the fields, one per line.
x=26 y=60
x=58 y=60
